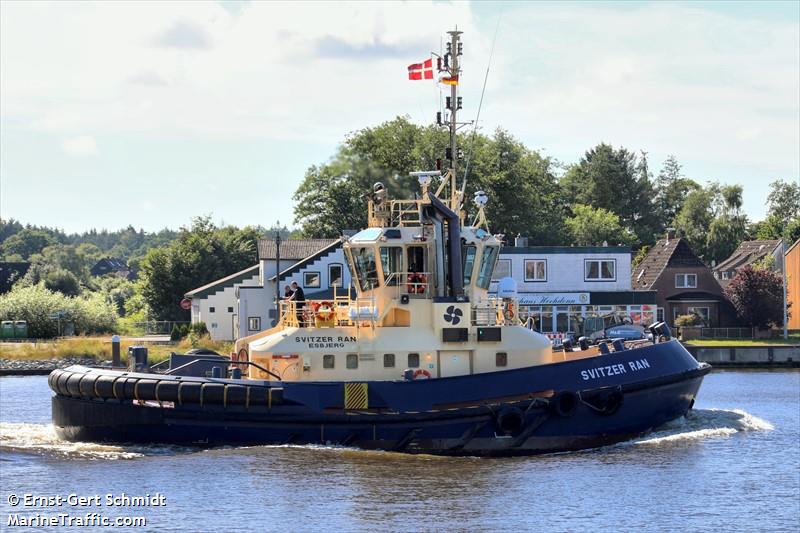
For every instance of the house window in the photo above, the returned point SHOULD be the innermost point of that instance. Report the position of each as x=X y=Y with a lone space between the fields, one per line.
x=254 y=323
x=335 y=275
x=352 y=360
x=230 y=309
x=600 y=269
x=685 y=281
x=212 y=309
x=501 y=359
x=311 y=280
x=413 y=360
x=726 y=274
x=328 y=360
x=703 y=312
x=502 y=270
x=535 y=270
x=388 y=360
x=660 y=314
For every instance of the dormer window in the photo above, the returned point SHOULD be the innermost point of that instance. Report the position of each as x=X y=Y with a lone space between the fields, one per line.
x=686 y=281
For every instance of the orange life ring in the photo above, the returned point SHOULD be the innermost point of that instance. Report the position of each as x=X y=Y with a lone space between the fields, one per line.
x=323 y=310
x=411 y=283
x=421 y=373
x=422 y=283
x=508 y=312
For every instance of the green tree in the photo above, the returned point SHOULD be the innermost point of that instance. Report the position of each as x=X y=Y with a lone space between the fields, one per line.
x=757 y=296
x=589 y=226
x=618 y=181
x=202 y=253
x=27 y=242
x=783 y=213
x=521 y=184
x=671 y=190
x=729 y=227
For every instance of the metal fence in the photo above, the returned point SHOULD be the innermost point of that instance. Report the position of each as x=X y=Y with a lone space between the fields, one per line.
x=156 y=327
x=726 y=333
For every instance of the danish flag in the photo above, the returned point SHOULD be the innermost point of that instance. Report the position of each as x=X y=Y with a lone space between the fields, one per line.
x=421 y=71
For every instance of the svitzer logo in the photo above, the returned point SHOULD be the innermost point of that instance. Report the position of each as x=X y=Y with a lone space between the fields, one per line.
x=453 y=315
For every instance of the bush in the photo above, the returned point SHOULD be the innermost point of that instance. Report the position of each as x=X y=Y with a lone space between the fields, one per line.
x=175 y=334
x=689 y=320
x=36 y=304
x=199 y=328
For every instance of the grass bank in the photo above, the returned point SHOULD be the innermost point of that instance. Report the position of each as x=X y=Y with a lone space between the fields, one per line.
x=99 y=348
x=793 y=340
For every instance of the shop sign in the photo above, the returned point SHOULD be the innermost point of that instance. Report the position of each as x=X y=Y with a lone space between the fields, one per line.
x=554 y=298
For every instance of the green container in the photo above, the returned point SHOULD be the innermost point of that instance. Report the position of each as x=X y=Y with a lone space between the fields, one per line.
x=20 y=329
x=6 y=329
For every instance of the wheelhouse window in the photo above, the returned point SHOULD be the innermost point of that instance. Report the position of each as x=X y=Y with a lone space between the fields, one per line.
x=685 y=281
x=352 y=360
x=328 y=360
x=366 y=270
x=413 y=360
x=335 y=275
x=488 y=259
x=535 y=270
x=388 y=360
x=600 y=269
x=311 y=280
x=469 y=263
x=254 y=323
x=391 y=262
x=415 y=259
x=502 y=270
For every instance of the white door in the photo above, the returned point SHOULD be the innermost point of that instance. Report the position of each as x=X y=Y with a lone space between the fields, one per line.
x=454 y=363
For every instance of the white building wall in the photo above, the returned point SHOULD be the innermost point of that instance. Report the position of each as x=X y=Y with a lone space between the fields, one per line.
x=220 y=321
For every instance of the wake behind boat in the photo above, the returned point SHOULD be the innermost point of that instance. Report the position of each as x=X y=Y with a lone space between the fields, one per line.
x=420 y=359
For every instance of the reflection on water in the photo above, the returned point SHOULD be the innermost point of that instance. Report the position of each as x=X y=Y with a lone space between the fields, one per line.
x=714 y=469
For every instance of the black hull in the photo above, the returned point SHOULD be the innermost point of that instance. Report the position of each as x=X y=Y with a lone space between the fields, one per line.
x=587 y=418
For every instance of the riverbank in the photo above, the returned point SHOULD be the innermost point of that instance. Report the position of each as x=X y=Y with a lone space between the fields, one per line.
x=32 y=358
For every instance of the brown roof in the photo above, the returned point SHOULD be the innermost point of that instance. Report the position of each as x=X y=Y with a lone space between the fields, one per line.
x=664 y=253
x=292 y=248
x=747 y=253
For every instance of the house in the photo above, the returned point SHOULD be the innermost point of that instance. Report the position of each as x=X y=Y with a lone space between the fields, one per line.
x=683 y=284
x=748 y=253
x=244 y=302
x=560 y=286
x=112 y=265
x=792 y=263
x=10 y=272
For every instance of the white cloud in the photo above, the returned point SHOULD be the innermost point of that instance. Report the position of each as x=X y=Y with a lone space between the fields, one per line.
x=82 y=145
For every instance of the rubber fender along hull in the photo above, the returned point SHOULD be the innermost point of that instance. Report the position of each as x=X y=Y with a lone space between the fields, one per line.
x=598 y=417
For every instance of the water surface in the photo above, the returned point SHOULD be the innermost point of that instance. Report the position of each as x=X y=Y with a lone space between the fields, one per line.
x=733 y=464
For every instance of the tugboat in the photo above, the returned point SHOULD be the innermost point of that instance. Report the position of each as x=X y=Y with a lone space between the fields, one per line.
x=421 y=358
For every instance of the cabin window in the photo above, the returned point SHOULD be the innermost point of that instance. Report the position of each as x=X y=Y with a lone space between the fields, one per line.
x=413 y=360
x=685 y=281
x=352 y=360
x=502 y=270
x=335 y=275
x=388 y=360
x=254 y=323
x=415 y=259
x=328 y=360
x=230 y=309
x=391 y=262
x=487 y=266
x=469 y=263
x=501 y=359
x=600 y=269
x=536 y=270
x=311 y=280
x=364 y=259
x=212 y=309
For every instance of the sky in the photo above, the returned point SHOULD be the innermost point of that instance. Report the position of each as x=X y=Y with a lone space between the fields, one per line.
x=151 y=113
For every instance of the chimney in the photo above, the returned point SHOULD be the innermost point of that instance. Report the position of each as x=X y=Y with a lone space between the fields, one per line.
x=670 y=234
x=520 y=242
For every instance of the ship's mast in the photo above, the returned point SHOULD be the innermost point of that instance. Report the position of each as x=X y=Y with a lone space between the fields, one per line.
x=452 y=68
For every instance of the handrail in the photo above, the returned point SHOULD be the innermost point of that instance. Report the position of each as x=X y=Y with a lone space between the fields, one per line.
x=226 y=361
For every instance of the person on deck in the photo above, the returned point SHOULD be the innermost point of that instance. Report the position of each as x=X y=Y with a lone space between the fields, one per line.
x=287 y=293
x=299 y=299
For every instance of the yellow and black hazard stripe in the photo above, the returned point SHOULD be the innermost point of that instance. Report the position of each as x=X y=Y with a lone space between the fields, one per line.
x=356 y=396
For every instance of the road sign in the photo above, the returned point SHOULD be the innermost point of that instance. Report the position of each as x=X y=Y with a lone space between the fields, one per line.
x=186 y=304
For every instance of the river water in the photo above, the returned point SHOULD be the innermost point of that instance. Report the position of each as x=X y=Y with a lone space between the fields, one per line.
x=733 y=464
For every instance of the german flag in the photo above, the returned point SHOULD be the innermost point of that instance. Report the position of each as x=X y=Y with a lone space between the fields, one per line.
x=449 y=80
